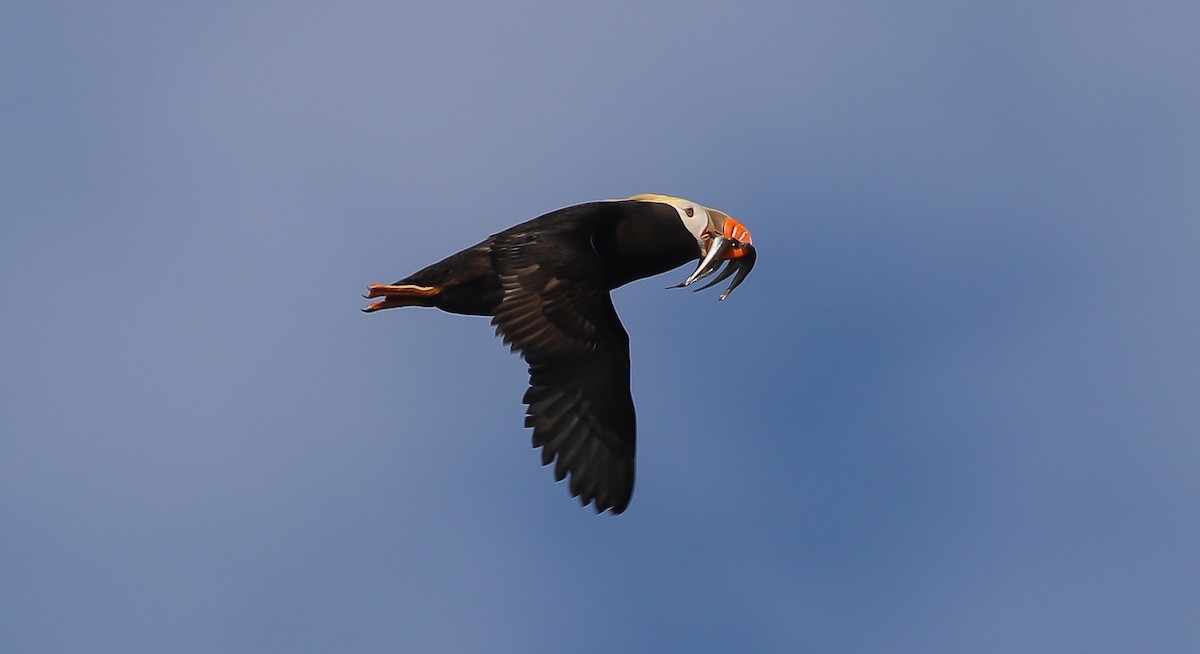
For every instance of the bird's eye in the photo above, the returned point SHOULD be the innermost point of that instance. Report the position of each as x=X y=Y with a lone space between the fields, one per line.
x=689 y=211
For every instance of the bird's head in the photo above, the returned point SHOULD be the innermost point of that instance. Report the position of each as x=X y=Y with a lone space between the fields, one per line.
x=719 y=238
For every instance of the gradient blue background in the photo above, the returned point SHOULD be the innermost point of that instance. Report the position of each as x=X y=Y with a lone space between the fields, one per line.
x=954 y=409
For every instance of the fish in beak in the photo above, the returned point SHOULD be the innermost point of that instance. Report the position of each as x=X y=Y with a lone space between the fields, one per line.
x=730 y=245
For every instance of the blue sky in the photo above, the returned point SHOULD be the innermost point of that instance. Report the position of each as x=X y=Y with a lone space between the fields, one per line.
x=953 y=409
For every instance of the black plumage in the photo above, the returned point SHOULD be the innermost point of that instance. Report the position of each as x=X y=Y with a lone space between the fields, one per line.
x=546 y=283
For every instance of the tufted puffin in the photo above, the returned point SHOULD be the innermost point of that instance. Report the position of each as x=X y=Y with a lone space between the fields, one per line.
x=545 y=283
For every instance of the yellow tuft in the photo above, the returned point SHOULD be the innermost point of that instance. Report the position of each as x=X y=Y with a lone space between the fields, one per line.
x=656 y=197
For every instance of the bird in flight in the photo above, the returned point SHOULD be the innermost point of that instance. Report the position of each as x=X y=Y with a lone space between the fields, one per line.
x=545 y=283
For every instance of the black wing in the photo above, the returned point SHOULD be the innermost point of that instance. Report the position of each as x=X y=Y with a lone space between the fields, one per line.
x=557 y=312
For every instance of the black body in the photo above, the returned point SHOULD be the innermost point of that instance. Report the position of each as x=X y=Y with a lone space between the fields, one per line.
x=546 y=284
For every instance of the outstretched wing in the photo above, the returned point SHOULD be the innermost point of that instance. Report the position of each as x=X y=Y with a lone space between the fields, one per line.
x=558 y=314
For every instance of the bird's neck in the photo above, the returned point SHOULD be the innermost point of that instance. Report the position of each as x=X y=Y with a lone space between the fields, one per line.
x=641 y=244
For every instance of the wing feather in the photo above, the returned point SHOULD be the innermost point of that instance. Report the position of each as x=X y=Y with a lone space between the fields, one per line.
x=558 y=314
